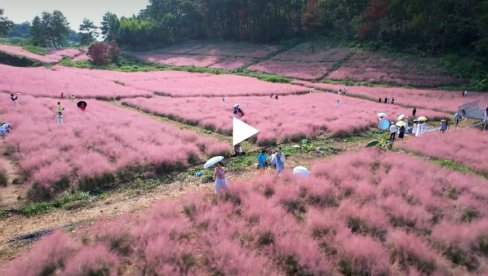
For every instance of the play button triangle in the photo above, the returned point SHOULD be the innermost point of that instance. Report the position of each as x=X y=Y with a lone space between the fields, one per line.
x=241 y=131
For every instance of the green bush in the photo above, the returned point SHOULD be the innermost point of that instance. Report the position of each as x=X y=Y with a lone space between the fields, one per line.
x=3 y=179
x=39 y=193
x=96 y=183
x=35 y=50
x=16 y=60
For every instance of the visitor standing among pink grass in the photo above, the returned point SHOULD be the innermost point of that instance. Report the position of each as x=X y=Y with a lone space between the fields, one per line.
x=414 y=112
x=14 y=98
x=280 y=161
x=219 y=176
x=59 y=113
x=262 y=161
x=393 y=131
x=401 y=133
x=443 y=126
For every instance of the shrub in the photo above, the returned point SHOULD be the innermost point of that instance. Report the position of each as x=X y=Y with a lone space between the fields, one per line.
x=102 y=53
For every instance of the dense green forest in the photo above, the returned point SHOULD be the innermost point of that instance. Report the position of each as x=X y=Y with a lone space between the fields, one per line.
x=428 y=25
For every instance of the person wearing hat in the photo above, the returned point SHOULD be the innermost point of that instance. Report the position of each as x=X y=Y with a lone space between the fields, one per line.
x=393 y=131
x=238 y=111
x=443 y=127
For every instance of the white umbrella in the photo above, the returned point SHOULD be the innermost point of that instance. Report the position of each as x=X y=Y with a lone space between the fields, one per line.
x=301 y=171
x=401 y=117
x=236 y=105
x=212 y=161
x=381 y=114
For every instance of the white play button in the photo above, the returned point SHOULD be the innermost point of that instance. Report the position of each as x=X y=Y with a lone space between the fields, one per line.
x=241 y=131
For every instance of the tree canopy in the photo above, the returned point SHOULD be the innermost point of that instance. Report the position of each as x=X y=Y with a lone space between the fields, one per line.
x=428 y=25
x=50 y=30
x=88 y=32
x=5 y=24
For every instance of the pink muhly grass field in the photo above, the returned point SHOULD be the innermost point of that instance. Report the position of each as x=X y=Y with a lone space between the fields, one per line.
x=185 y=84
x=104 y=138
x=378 y=68
x=466 y=146
x=294 y=69
x=222 y=55
x=53 y=57
x=233 y=63
x=294 y=225
x=310 y=52
x=288 y=118
x=41 y=81
x=441 y=100
x=180 y=60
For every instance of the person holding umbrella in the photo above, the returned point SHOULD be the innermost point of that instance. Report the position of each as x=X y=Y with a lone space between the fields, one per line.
x=219 y=173
x=82 y=105
x=4 y=129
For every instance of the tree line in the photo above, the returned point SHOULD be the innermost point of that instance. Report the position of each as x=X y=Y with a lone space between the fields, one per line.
x=433 y=26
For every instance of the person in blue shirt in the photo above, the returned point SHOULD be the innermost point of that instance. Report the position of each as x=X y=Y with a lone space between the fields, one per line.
x=262 y=161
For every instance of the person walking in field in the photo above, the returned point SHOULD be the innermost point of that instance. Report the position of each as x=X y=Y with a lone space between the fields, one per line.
x=220 y=181
x=393 y=131
x=14 y=99
x=443 y=126
x=414 y=112
x=392 y=100
x=338 y=103
x=386 y=100
x=457 y=117
x=262 y=161
x=280 y=161
x=238 y=111
x=463 y=113
x=379 y=100
x=59 y=113
x=401 y=132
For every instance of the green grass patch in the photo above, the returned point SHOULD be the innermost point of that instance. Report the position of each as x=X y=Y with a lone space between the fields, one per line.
x=68 y=201
x=453 y=165
x=35 y=50
x=358 y=83
x=3 y=214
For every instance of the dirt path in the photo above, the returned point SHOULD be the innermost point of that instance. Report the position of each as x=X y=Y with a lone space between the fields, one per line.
x=118 y=203
x=10 y=195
